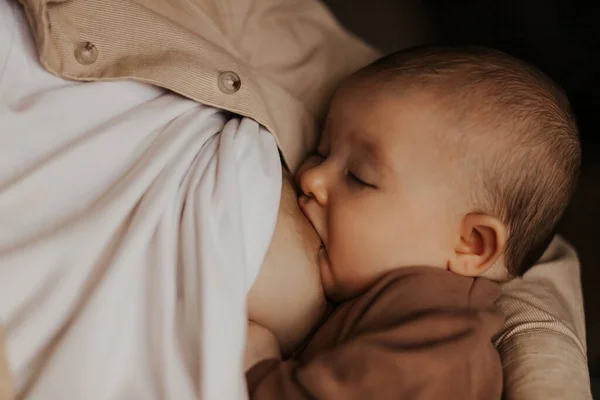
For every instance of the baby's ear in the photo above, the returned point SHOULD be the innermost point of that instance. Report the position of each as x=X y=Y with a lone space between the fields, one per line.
x=481 y=242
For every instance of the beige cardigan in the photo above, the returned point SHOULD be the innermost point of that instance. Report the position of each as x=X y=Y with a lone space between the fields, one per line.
x=277 y=61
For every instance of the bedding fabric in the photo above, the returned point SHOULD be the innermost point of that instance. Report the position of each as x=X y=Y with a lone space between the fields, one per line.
x=119 y=206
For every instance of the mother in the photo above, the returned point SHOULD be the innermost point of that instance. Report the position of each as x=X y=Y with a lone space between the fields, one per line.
x=277 y=63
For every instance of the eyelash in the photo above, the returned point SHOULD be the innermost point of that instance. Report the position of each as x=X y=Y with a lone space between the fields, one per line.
x=355 y=179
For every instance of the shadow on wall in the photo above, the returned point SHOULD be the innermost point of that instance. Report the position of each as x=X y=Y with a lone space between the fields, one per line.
x=561 y=38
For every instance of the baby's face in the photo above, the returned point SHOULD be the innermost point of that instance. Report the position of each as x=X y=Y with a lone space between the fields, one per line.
x=380 y=192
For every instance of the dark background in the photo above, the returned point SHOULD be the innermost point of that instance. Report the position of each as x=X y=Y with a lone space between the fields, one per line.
x=560 y=37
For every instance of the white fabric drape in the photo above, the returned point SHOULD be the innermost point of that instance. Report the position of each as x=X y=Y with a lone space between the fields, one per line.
x=132 y=224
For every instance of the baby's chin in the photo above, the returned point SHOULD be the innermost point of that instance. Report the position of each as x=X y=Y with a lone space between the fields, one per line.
x=334 y=290
x=327 y=279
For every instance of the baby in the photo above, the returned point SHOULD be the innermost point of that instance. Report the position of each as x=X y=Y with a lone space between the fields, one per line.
x=438 y=167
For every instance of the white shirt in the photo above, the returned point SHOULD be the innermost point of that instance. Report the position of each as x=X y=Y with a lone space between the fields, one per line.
x=132 y=224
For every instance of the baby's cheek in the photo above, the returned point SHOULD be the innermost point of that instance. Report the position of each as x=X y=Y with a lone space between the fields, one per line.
x=349 y=268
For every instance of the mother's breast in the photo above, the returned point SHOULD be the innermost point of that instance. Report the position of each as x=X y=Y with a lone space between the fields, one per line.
x=287 y=297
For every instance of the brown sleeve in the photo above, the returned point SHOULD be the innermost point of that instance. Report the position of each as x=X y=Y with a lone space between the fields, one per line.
x=435 y=354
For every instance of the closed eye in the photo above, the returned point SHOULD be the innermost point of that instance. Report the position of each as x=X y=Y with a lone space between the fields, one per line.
x=359 y=181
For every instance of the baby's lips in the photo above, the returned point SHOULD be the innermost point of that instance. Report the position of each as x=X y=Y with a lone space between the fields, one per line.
x=304 y=202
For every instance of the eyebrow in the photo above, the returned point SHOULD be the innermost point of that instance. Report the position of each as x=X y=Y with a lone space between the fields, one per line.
x=375 y=156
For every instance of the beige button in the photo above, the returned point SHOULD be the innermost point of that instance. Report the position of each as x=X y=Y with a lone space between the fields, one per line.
x=229 y=82
x=86 y=53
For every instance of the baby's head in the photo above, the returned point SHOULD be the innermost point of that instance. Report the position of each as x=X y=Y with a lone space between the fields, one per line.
x=458 y=158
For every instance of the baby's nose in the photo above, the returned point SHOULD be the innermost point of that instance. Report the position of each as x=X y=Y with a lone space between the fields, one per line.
x=312 y=181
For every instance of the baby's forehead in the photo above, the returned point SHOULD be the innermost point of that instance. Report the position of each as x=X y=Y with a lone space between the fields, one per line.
x=378 y=102
x=382 y=119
